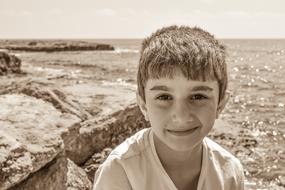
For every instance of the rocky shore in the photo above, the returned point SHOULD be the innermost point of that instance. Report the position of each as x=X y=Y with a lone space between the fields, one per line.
x=42 y=148
x=45 y=138
x=9 y=63
x=48 y=139
x=55 y=130
x=53 y=45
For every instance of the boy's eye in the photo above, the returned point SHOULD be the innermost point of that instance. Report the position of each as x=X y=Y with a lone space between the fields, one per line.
x=198 y=97
x=164 y=97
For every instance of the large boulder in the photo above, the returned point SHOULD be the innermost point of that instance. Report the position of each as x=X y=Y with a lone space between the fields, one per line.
x=60 y=174
x=30 y=136
x=106 y=134
x=51 y=176
x=9 y=63
x=96 y=134
x=47 y=92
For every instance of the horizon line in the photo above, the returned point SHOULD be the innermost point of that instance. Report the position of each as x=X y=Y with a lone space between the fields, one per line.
x=226 y=38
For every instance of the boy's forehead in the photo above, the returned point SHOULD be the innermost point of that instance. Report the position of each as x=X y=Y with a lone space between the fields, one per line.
x=171 y=71
x=178 y=82
x=177 y=75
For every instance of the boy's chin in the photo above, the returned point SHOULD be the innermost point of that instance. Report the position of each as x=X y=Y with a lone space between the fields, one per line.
x=184 y=147
x=184 y=144
x=178 y=144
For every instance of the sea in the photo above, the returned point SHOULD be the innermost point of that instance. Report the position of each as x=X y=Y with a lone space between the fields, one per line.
x=256 y=70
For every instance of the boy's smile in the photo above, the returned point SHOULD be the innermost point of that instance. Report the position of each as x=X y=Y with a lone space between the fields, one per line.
x=181 y=111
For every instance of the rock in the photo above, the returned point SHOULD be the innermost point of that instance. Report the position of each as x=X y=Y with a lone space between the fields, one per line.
x=60 y=174
x=32 y=43
x=9 y=63
x=102 y=136
x=15 y=64
x=54 y=45
x=30 y=136
x=77 y=178
x=95 y=161
x=96 y=134
x=51 y=176
x=42 y=90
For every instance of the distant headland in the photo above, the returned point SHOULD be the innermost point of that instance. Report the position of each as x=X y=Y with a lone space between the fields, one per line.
x=53 y=45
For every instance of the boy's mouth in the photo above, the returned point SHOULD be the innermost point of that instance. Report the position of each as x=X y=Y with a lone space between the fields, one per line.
x=181 y=132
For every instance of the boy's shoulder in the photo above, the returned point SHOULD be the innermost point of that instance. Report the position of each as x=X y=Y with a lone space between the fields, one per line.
x=218 y=153
x=220 y=169
x=215 y=148
x=132 y=146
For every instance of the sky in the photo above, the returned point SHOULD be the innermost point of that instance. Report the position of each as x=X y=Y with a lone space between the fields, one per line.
x=139 y=18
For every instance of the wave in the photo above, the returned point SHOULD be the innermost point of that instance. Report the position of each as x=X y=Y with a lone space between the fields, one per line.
x=119 y=82
x=121 y=50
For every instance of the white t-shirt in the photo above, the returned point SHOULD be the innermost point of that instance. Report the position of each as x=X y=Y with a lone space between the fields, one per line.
x=135 y=165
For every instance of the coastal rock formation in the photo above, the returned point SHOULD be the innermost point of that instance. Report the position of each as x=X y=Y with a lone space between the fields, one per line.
x=42 y=90
x=97 y=134
x=109 y=133
x=9 y=63
x=30 y=136
x=43 y=142
x=41 y=147
x=60 y=174
x=54 y=45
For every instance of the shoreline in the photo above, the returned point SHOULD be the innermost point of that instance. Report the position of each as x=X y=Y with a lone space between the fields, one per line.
x=53 y=45
x=103 y=86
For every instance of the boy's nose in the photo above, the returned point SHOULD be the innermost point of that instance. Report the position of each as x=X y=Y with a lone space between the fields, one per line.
x=182 y=114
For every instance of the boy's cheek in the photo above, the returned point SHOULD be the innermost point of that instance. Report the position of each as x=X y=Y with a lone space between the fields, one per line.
x=161 y=106
x=157 y=105
x=158 y=115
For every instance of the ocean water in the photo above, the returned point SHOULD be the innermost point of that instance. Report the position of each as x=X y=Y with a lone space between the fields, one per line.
x=256 y=83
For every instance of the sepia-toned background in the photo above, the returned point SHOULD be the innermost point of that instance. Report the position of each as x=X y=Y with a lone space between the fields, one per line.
x=72 y=97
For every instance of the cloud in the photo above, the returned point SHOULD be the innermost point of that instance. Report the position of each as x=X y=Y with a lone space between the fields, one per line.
x=25 y=13
x=208 y=1
x=14 y=13
x=105 y=12
x=146 y=13
x=56 y=11
x=228 y=15
x=250 y=15
x=131 y=12
x=8 y=12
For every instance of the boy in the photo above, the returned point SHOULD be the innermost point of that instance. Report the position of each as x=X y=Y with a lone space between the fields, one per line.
x=182 y=81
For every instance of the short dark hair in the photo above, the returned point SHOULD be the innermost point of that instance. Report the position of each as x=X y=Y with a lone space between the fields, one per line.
x=196 y=52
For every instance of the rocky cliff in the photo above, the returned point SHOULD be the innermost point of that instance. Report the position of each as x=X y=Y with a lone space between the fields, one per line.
x=53 y=45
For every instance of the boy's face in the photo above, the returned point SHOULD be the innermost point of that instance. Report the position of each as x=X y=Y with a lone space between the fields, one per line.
x=181 y=111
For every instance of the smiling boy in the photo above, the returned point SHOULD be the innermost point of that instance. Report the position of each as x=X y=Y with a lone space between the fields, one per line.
x=182 y=81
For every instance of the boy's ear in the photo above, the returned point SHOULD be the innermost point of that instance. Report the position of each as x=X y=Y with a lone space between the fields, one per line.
x=142 y=106
x=222 y=104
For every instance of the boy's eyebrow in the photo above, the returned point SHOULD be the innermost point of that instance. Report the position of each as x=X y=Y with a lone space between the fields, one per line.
x=196 y=88
x=160 y=87
x=202 y=88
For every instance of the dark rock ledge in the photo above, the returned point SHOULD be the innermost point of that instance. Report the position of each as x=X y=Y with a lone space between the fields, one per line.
x=9 y=63
x=53 y=45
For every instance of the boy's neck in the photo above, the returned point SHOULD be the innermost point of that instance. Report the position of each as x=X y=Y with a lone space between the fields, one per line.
x=182 y=167
x=172 y=159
